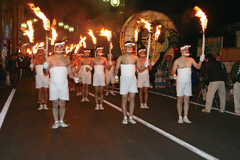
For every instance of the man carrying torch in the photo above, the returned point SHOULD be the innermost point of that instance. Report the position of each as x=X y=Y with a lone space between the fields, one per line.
x=59 y=68
x=183 y=67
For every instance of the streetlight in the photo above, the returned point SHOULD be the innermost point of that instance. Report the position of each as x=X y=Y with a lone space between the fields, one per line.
x=60 y=24
x=71 y=29
x=115 y=3
x=23 y=25
x=105 y=0
x=66 y=26
x=35 y=20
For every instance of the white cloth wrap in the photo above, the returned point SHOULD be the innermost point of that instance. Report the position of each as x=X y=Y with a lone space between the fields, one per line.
x=109 y=75
x=143 y=79
x=184 y=74
x=86 y=75
x=41 y=80
x=128 y=81
x=184 y=84
x=98 y=76
x=58 y=84
x=128 y=69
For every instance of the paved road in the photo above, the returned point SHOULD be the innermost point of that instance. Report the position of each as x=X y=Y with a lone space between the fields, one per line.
x=26 y=133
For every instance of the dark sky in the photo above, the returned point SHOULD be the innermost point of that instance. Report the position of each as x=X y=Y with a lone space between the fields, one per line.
x=220 y=14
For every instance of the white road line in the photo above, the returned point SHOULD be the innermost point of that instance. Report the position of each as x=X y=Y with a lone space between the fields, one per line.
x=189 y=102
x=169 y=136
x=6 y=106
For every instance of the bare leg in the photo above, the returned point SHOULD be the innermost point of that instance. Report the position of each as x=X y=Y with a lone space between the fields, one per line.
x=55 y=110
x=186 y=105
x=40 y=95
x=87 y=90
x=83 y=89
x=146 y=94
x=179 y=105
x=45 y=92
x=132 y=103
x=62 y=109
x=113 y=87
x=141 y=95
x=124 y=105
x=96 y=94
x=101 y=94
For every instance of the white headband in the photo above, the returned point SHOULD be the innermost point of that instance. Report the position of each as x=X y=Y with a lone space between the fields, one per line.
x=86 y=51
x=184 y=47
x=129 y=43
x=142 y=50
x=99 y=48
x=59 y=43
x=41 y=47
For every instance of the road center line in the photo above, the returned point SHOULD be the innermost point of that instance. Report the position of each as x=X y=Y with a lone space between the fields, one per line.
x=169 y=136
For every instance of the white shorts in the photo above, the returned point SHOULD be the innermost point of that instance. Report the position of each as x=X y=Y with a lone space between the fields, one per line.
x=184 y=88
x=41 y=81
x=109 y=78
x=98 y=80
x=87 y=78
x=128 y=84
x=58 y=90
x=143 y=80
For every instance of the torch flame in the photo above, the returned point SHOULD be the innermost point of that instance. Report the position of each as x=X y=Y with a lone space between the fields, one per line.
x=136 y=34
x=40 y=14
x=90 y=32
x=106 y=33
x=147 y=24
x=158 y=32
x=70 y=49
x=82 y=42
x=202 y=16
x=29 y=51
x=30 y=31
x=34 y=49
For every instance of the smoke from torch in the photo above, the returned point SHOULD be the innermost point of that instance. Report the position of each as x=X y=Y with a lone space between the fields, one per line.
x=30 y=31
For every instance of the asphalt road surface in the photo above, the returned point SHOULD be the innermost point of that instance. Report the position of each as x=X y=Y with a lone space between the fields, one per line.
x=26 y=133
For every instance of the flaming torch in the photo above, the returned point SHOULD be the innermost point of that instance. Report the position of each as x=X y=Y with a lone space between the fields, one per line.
x=157 y=33
x=108 y=34
x=147 y=25
x=94 y=39
x=203 y=19
x=29 y=33
x=54 y=32
x=136 y=38
x=46 y=22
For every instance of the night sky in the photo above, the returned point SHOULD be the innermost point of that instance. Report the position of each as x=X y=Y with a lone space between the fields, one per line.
x=221 y=14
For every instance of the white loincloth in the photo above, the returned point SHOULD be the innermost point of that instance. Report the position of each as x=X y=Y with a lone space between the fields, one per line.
x=143 y=79
x=109 y=75
x=86 y=75
x=42 y=81
x=98 y=76
x=128 y=82
x=58 y=84
x=184 y=84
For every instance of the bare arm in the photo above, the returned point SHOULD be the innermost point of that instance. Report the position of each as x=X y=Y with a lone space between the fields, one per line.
x=107 y=65
x=117 y=66
x=79 y=66
x=197 y=65
x=174 y=68
x=70 y=73
x=150 y=65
